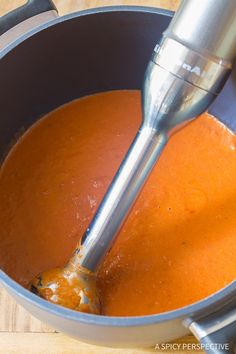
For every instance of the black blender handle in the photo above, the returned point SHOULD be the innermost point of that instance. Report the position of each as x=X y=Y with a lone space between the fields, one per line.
x=22 y=13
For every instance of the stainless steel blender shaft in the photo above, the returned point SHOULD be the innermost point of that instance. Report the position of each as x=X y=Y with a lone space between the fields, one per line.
x=187 y=71
x=126 y=185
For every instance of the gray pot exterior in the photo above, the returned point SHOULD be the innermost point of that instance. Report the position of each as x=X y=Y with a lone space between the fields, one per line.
x=107 y=335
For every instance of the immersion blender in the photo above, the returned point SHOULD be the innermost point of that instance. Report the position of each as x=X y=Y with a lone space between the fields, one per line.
x=187 y=70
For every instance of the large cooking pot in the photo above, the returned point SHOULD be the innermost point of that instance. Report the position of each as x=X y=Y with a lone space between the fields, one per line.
x=63 y=58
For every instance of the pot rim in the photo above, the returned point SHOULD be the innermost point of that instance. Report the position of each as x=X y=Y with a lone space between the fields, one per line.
x=117 y=321
x=113 y=321
x=77 y=14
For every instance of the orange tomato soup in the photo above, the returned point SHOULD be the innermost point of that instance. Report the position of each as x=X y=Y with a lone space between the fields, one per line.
x=179 y=243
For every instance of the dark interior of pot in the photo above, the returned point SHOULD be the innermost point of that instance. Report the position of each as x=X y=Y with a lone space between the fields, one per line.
x=93 y=53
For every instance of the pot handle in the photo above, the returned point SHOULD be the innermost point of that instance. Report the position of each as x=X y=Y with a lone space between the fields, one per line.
x=217 y=331
x=24 y=18
x=22 y=13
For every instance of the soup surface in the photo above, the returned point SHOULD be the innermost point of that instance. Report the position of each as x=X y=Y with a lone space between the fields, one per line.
x=179 y=243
